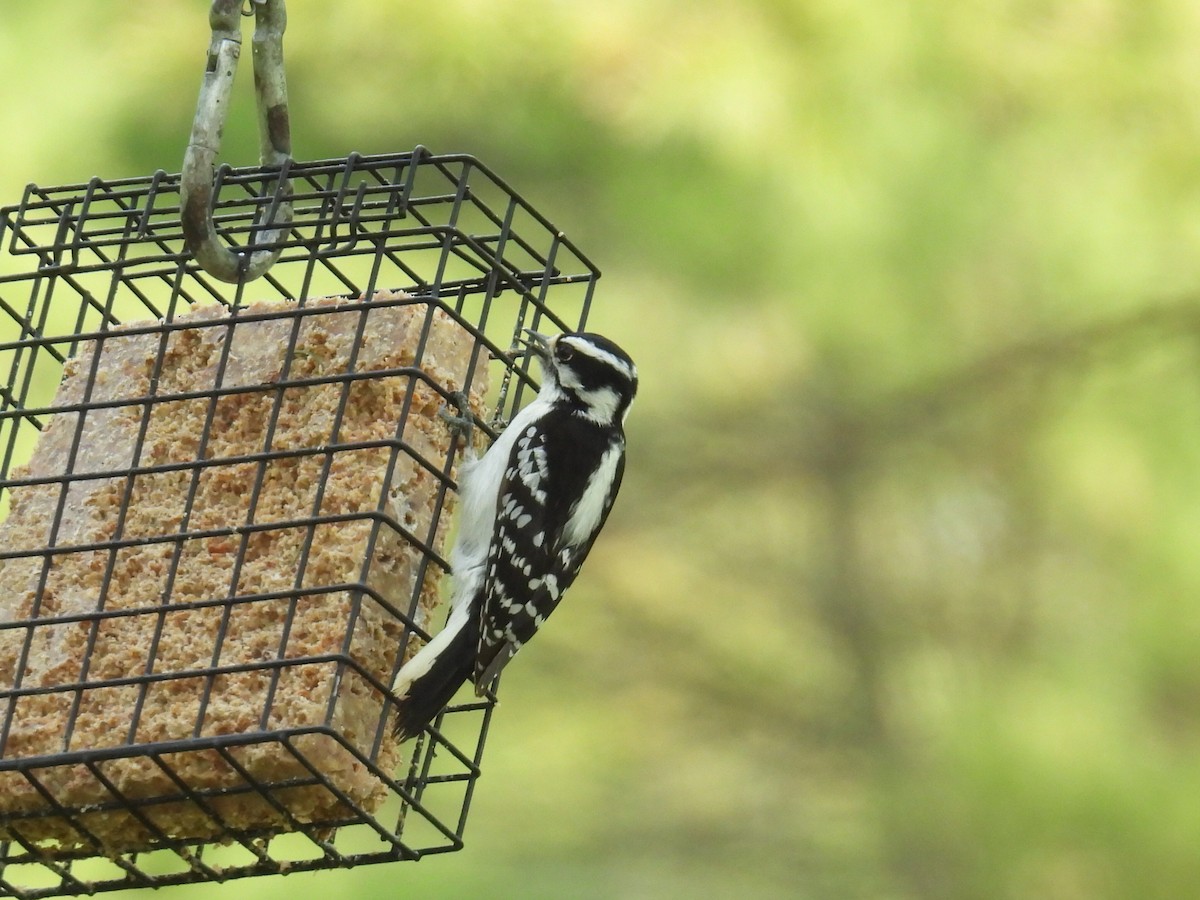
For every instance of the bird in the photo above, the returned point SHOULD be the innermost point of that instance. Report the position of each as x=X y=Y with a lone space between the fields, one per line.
x=530 y=509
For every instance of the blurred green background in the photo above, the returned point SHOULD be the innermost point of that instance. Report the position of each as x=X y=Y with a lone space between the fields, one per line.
x=899 y=600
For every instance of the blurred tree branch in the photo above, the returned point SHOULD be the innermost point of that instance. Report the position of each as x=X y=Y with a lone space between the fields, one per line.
x=827 y=426
x=831 y=446
x=912 y=411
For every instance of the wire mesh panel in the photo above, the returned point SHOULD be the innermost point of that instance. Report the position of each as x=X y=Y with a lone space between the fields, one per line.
x=224 y=511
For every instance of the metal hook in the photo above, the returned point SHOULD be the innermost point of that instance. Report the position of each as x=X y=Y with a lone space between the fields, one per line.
x=196 y=182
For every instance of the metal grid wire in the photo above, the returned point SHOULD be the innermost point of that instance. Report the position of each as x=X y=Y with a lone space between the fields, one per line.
x=78 y=261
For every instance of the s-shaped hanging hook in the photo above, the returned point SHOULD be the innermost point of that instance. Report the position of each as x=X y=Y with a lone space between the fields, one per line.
x=196 y=182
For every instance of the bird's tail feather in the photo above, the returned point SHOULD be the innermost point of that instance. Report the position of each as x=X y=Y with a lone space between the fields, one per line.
x=428 y=681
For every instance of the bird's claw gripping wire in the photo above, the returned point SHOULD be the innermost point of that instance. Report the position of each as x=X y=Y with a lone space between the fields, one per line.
x=462 y=424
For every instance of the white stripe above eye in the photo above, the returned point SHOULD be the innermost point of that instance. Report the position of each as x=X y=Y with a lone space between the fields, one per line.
x=590 y=349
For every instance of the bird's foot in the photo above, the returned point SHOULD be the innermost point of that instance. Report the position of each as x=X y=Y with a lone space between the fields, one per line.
x=462 y=424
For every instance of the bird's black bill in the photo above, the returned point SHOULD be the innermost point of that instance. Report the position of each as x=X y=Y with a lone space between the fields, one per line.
x=537 y=344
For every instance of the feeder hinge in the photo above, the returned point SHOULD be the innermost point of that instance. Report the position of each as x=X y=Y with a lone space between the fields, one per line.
x=196 y=182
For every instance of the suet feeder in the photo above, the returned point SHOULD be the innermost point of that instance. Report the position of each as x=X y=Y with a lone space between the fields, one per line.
x=224 y=493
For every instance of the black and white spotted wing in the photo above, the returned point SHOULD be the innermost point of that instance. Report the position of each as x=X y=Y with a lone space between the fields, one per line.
x=541 y=538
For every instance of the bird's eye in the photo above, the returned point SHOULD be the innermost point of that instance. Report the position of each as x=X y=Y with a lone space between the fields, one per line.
x=563 y=352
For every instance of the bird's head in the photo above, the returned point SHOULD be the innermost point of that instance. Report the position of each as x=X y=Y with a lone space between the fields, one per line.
x=588 y=372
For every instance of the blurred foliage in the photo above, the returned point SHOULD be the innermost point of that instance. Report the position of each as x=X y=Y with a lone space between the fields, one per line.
x=899 y=600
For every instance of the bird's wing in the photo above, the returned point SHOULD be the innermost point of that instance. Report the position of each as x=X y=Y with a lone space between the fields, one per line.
x=530 y=564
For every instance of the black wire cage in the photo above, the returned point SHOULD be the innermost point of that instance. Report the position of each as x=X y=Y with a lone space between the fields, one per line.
x=84 y=269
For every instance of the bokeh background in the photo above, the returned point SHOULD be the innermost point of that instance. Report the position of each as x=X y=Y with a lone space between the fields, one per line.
x=900 y=598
